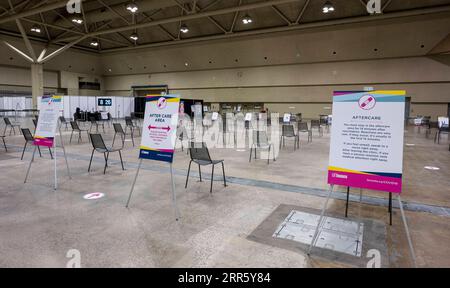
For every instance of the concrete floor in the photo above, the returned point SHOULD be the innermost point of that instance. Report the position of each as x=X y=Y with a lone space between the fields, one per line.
x=39 y=225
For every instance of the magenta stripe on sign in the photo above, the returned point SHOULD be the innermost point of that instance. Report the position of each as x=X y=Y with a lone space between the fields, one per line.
x=371 y=182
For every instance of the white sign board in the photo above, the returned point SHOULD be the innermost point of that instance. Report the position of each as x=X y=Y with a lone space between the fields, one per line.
x=48 y=121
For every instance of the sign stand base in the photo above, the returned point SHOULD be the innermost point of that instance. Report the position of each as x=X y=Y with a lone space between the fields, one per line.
x=320 y=224
x=54 y=158
x=174 y=195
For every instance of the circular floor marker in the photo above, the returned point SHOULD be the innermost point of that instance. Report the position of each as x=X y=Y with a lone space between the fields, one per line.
x=241 y=150
x=432 y=168
x=93 y=196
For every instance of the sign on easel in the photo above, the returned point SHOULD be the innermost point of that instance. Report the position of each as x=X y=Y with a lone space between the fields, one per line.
x=48 y=121
x=45 y=134
x=367 y=140
x=366 y=149
x=159 y=133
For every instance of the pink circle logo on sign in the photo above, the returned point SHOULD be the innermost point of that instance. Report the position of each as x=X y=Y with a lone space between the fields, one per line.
x=162 y=103
x=367 y=102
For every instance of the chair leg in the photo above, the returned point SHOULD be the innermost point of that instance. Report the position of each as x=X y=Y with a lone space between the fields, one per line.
x=212 y=178
x=90 y=162
x=79 y=137
x=224 y=177
x=200 y=172
x=4 y=144
x=114 y=139
x=106 y=162
x=187 y=178
x=23 y=152
x=71 y=134
x=251 y=151
x=268 y=155
x=121 y=161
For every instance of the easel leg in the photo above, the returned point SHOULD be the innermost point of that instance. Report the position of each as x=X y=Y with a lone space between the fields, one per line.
x=320 y=220
x=346 y=205
x=134 y=183
x=174 y=194
x=54 y=158
x=390 y=209
x=29 y=165
x=65 y=156
x=411 y=248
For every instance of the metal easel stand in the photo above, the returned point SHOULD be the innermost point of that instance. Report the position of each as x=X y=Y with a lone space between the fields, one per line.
x=174 y=195
x=320 y=224
x=54 y=158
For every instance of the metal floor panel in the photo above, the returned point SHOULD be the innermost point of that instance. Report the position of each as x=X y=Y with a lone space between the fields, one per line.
x=336 y=234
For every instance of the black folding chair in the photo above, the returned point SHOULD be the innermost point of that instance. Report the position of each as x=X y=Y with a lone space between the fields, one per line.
x=200 y=155
x=29 y=139
x=99 y=145
x=63 y=121
x=444 y=129
x=12 y=126
x=261 y=141
x=289 y=132
x=4 y=143
x=316 y=124
x=119 y=130
x=431 y=126
x=95 y=123
x=303 y=128
x=129 y=124
x=76 y=128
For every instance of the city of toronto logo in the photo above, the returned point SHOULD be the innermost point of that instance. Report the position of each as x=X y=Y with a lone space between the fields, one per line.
x=367 y=102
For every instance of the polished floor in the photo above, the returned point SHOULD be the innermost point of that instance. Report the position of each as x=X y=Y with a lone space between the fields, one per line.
x=39 y=225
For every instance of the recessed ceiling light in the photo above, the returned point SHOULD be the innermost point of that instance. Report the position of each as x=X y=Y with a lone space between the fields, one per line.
x=328 y=7
x=94 y=43
x=134 y=37
x=184 y=28
x=109 y=70
x=132 y=8
x=36 y=29
x=247 y=19
x=186 y=64
x=77 y=20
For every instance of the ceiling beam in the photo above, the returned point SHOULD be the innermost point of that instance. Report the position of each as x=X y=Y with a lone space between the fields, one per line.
x=34 y=11
x=236 y=14
x=302 y=12
x=191 y=17
x=287 y=20
x=305 y=26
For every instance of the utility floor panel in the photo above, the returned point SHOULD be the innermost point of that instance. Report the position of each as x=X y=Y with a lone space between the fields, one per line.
x=335 y=234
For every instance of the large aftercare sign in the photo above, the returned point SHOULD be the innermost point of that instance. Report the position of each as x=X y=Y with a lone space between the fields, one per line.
x=160 y=127
x=367 y=140
x=48 y=121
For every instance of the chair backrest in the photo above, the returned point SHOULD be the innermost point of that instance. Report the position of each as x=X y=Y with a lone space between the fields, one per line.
x=118 y=128
x=433 y=125
x=97 y=141
x=62 y=119
x=288 y=130
x=315 y=123
x=92 y=119
x=303 y=127
x=74 y=125
x=260 y=138
x=7 y=122
x=128 y=121
x=27 y=134
x=199 y=151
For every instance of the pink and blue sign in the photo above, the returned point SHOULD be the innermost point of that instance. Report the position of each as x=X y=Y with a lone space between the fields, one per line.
x=367 y=140
x=159 y=129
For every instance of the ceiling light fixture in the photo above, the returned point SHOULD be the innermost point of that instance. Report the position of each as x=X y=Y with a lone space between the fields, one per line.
x=77 y=20
x=132 y=8
x=328 y=7
x=94 y=43
x=134 y=37
x=36 y=29
x=184 y=28
x=247 y=19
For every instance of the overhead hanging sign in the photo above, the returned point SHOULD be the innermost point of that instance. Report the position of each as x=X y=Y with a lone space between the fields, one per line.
x=48 y=121
x=160 y=128
x=367 y=140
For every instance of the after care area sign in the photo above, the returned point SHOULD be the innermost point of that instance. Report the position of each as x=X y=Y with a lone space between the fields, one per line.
x=367 y=140
x=159 y=131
